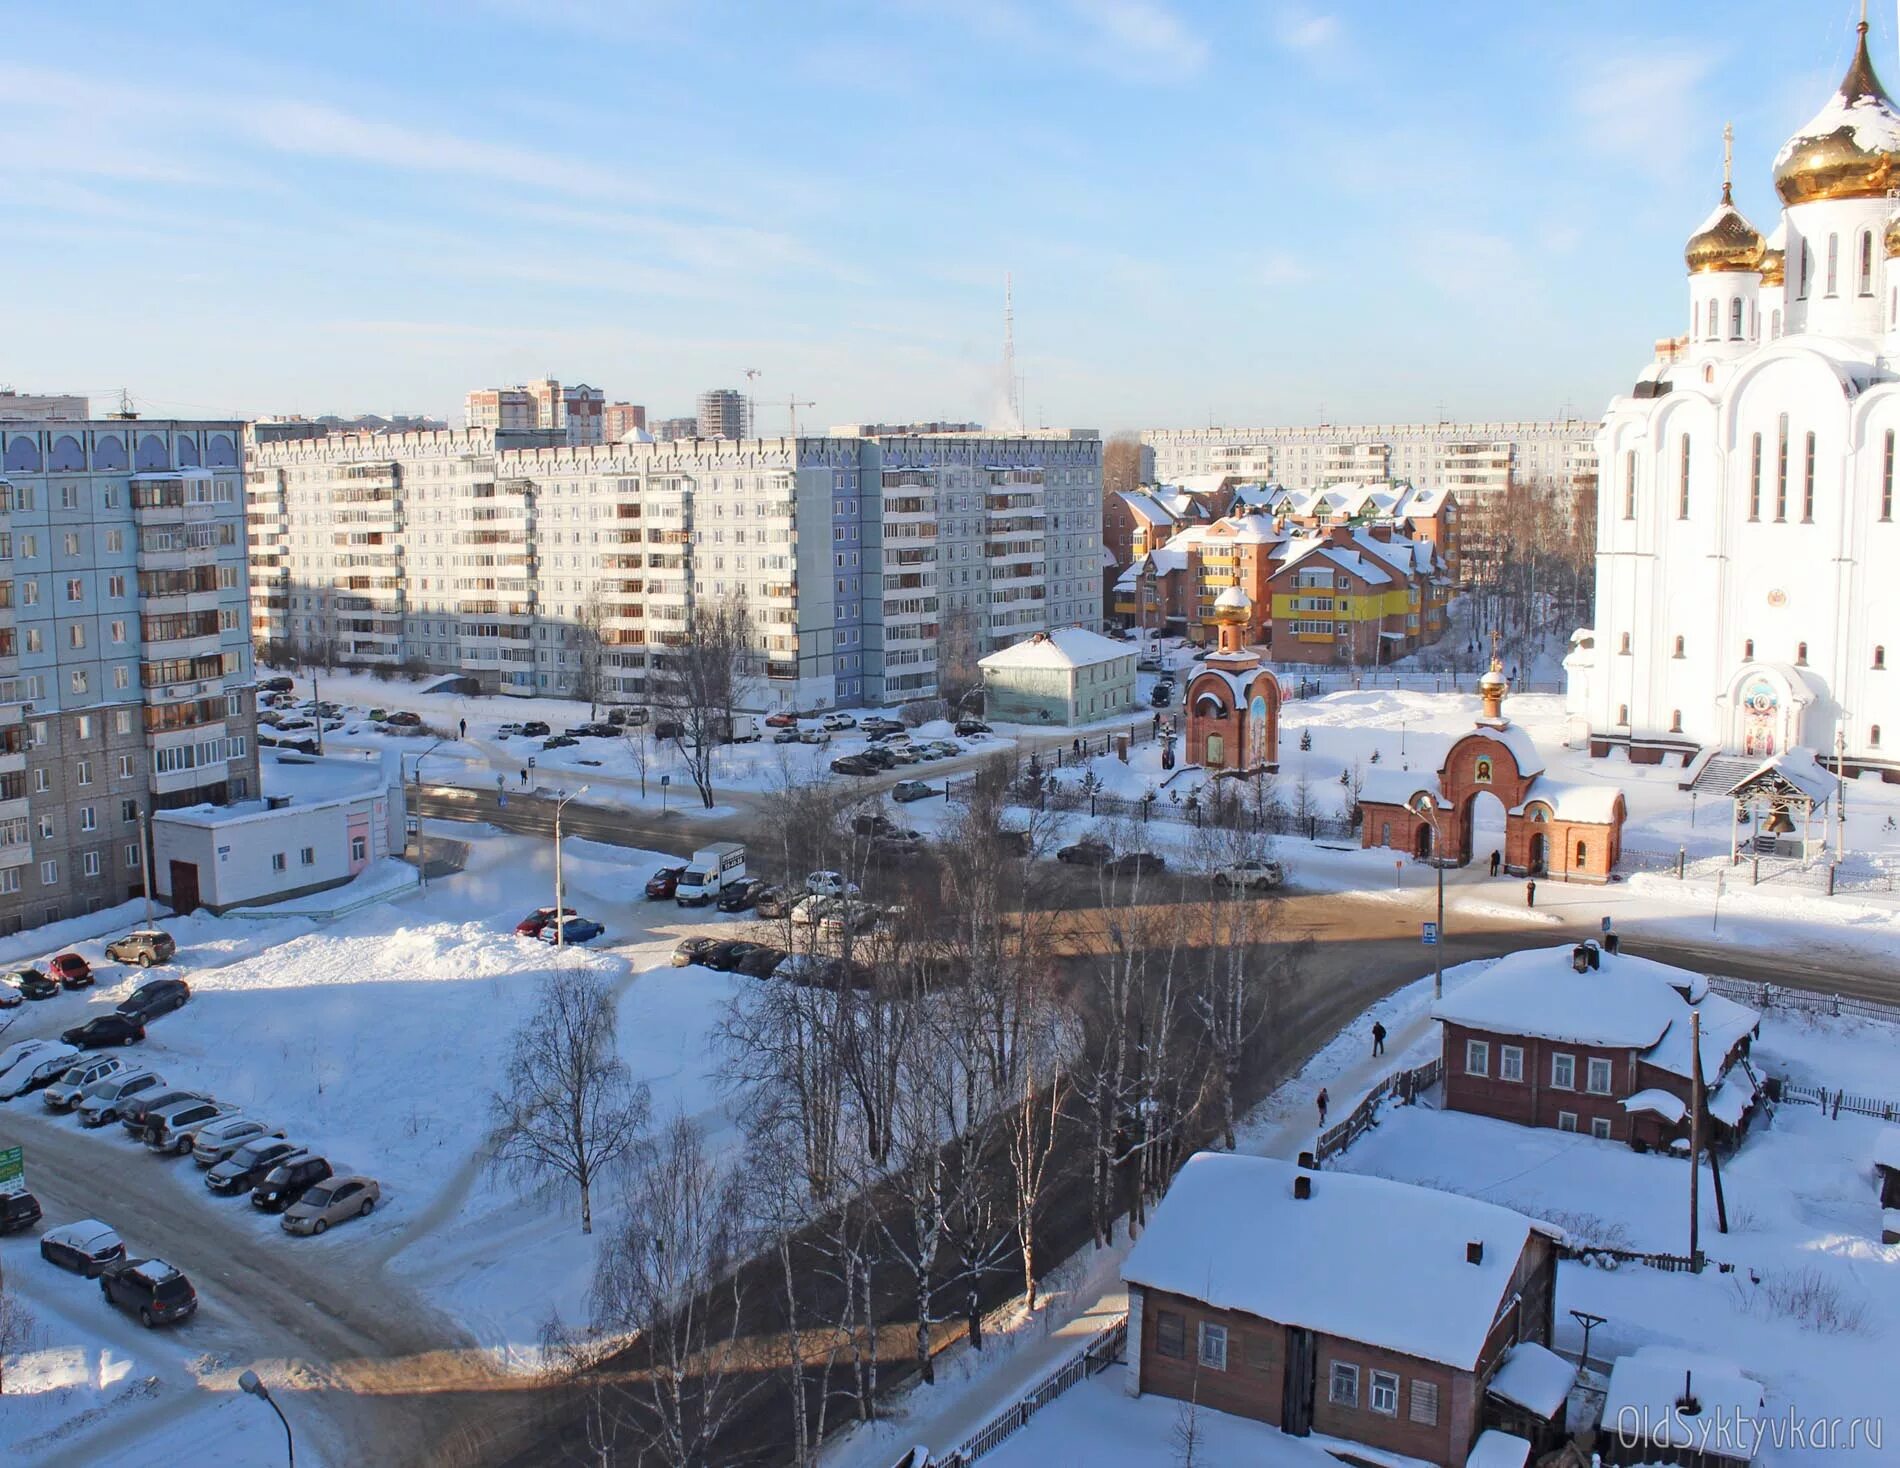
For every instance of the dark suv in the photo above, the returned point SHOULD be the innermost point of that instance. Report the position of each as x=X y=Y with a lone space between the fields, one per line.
x=153 y=998
x=158 y=1292
x=245 y=1168
x=18 y=1211
x=287 y=1182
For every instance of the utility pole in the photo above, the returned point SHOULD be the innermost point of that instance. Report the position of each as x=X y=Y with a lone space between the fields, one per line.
x=1695 y=1139
x=316 y=708
x=1428 y=808
x=560 y=910
x=422 y=840
x=145 y=862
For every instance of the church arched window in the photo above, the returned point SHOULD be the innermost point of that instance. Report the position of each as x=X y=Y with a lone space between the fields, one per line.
x=1682 y=489
x=1833 y=265
x=1748 y=647
x=1714 y=328
x=1774 y=326
x=1735 y=318
x=1583 y=853
x=1626 y=643
x=1865 y=270
x=1629 y=481
x=1622 y=713
x=1801 y=654
x=1873 y=736
x=1754 y=478
x=1679 y=647
x=1804 y=271
x=1880 y=659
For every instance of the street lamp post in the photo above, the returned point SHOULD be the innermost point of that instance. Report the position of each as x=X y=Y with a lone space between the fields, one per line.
x=252 y=1386
x=1428 y=808
x=560 y=911
x=422 y=840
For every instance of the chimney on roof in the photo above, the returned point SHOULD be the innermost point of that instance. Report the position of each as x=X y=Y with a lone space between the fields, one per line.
x=1686 y=1403
x=1474 y=1252
x=1306 y=1161
x=1302 y=1185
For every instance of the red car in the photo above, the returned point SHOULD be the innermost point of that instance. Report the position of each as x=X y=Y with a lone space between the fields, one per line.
x=781 y=721
x=539 y=921
x=71 y=970
x=665 y=882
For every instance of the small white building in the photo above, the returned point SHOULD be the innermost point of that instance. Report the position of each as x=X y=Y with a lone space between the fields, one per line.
x=1063 y=678
x=319 y=823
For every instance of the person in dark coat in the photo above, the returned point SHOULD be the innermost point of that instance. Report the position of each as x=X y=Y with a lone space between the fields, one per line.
x=1497 y=860
x=464 y=729
x=1322 y=1106
x=1530 y=894
x=1378 y=1038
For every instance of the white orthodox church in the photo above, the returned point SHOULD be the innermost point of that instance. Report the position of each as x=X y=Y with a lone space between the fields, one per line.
x=1748 y=556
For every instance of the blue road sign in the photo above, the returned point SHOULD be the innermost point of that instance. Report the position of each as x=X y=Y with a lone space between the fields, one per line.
x=1429 y=933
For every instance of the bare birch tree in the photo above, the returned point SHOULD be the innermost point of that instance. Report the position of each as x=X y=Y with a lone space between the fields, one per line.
x=568 y=1108
x=694 y=685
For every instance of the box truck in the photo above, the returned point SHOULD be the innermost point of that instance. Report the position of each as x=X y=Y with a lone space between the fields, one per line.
x=712 y=869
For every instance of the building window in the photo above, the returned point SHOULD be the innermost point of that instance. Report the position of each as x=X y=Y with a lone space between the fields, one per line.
x=82 y=769
x=91 y=863
x=1682 y=492
x=132 y=856
x=1735 y=318
x=1833 y=264
x=1754 y=477
x=1866 y=271
x=1583 y=854
x=1781 y=469
x=49 y=873
x=1425 y=1402
x=1886 y=477
x=1629 y=485
x=10 y=880
x=1804 y=269
x=1385 y=1393
x=1170 y=1335
x=1563 y=1072
x=1213 y=1346
x=88 y=818
x=1597 y=1077
x=1600 y=1128
x=1873 y=736
x=309 y=856
x=1477 y=1057
x=1807 y=483
x=1801 y=654
x=1566 y=1121
x=1624 y=645
x=1709 y=332
x=1510 y=1062
x=1342 y=1388
x=277 y=861
x=1748 y=648
x=1678 y=647
x=358 y=849
x=1623 y=714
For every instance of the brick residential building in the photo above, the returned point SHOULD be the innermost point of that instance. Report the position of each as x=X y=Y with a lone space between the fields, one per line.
x=1351 y=1306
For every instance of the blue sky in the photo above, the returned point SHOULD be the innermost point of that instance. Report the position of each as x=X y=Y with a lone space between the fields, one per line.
x=1245 y=211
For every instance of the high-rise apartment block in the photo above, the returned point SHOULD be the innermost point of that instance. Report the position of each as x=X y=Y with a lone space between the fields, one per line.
x=620 y=419
x=724 y=412
x=575 y=411
x=668 y=429
x=535 y=566
x=125 y=658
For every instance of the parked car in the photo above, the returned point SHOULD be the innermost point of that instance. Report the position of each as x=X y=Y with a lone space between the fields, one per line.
x=665 y=883
x=285 y=1183
x=87 y=1247
x=402 y=719
x=250 y=1164
x=845 y=915
x=277 y=685
x=217 y=1140
x=542 y=917
x=40 y=1066
x=724 y=957
x=173 y=1129
x=785 y=736
x=632 y=718
x=101 y=1103
x=10 y=995
x=32 y=983
x=878 y=724
x=810 y=911
x=535 y=729
x=1251 y=872
x=1160 y=698
x=852 y=764
x=159 y=1292
x=134 y=1109
x=760 y=962
x=1134 y=864
x=899 y=844
x=772 y=902
x=145 y=947
x=739 y=896
x=693 y=949
x=103 y=1030
x=781 y=721
x=872 y=823
x=904 y=754
x=599 y=729
x=968 y=727
x=814 y=736
x=879 y=758
x=837 y=721
x=504 y=731
x=153 y=998
x=18 y=1211
x=1087 y=854
x=908 y=790
x=560 y=741
x=71 y=1088
x=335 y=1200
x=70 y=969
x=574 y=930
x=830 y=884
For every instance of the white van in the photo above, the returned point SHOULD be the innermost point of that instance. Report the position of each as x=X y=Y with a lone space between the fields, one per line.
x=713 y=869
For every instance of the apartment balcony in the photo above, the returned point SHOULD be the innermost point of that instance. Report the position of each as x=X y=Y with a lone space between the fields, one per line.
x=185 y=690
x=177 y=558
x=370 y=651
x=159 y=499
x=194 y=645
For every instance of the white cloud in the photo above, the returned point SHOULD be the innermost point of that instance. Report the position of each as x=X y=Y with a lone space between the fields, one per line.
x=1645 y=108
x=1145 y=35
x=1281 y=268
x=1295 y=28
x=1137 y=40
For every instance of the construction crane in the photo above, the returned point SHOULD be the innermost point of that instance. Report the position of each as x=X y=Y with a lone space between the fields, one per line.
x=752 y=375
x=793 y=405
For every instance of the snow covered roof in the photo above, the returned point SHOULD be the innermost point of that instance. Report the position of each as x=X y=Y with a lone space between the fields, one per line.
x=1887 y=1148
x=1386 y=786
x=1147 y=505
x=1665 y=1104
x=1238 y=681
x=1795 y=770
x=298 y=782
x=1516 y=739
x=1629 y=1003
x=1729 y=1102
x=1534 y=1377
x=1364 y=1258
x=1498 y=1449
x=1065 y=647
x=1646 y=1388
x=1571 y=802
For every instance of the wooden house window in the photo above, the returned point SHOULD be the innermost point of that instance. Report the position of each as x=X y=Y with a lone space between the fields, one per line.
x=1600 y=1128
x=1510 y=1062
x=1385 y=1393
x=1566 y=1121
x=1170 y=1334
x=1425 y=1402
x=1477 y=1057
x=1563 y=1072
x=1342 y=1387
x=1213 y=1346
x=1597 y=1078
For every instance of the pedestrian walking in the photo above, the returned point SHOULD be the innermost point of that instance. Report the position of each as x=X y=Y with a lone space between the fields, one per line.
x=1378 y=1038
x=464 y=733
x=1497 y=859
x=1076 y=746
x=1322 y=1106
x=524 y=779
x=1530 y=894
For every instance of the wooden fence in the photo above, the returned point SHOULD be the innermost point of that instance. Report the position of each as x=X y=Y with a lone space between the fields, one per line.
x=1405 y=1084
x=1776 y=996
x=1102 y=1351
x=1668 y=1263
x=1834 y=1102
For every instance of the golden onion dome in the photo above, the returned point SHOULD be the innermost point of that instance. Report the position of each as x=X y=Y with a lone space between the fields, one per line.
x=1726 y=241
x=1232 y=605
x=1851 y=148
x=1773 y=267
x=1893 y=235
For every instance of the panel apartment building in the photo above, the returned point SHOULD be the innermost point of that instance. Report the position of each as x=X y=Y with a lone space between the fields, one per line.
x=126 y=682
x=504 y=555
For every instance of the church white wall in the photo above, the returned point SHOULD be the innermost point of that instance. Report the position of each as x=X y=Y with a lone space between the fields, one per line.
x=1851 y=225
